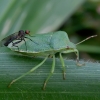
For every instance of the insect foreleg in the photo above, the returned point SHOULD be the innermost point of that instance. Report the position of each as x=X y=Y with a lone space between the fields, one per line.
x=63 y=65
x=77 y=59
x=51 y=72
x=33 y=69
x=31 y=40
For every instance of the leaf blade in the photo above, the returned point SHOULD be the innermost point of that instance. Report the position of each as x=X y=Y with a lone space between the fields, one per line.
x=81 y=82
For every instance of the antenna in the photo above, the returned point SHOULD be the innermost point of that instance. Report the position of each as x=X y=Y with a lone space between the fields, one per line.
x=86 y=39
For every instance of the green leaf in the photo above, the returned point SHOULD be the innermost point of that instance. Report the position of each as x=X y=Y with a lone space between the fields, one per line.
x=81 y=83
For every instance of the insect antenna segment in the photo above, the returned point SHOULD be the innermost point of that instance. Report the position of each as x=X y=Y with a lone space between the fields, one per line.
x=86 y=39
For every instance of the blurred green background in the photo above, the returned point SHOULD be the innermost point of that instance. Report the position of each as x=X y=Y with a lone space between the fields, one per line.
x=79 y=18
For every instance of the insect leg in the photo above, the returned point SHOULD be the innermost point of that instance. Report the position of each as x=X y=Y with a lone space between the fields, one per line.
x=14 y=44
x=50 y=74
x=63 y=65
x=77 y=59
x=31 y=40
x=25 y=44
x=33 y=69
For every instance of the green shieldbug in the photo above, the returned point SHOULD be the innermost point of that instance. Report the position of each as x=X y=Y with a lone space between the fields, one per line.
x=48 y=45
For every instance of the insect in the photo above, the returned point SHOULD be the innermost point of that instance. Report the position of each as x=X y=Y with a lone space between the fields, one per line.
x=20 y=36
x=48 y=45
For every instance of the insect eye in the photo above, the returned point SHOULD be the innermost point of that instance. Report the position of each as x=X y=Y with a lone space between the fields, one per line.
x=27 y=32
